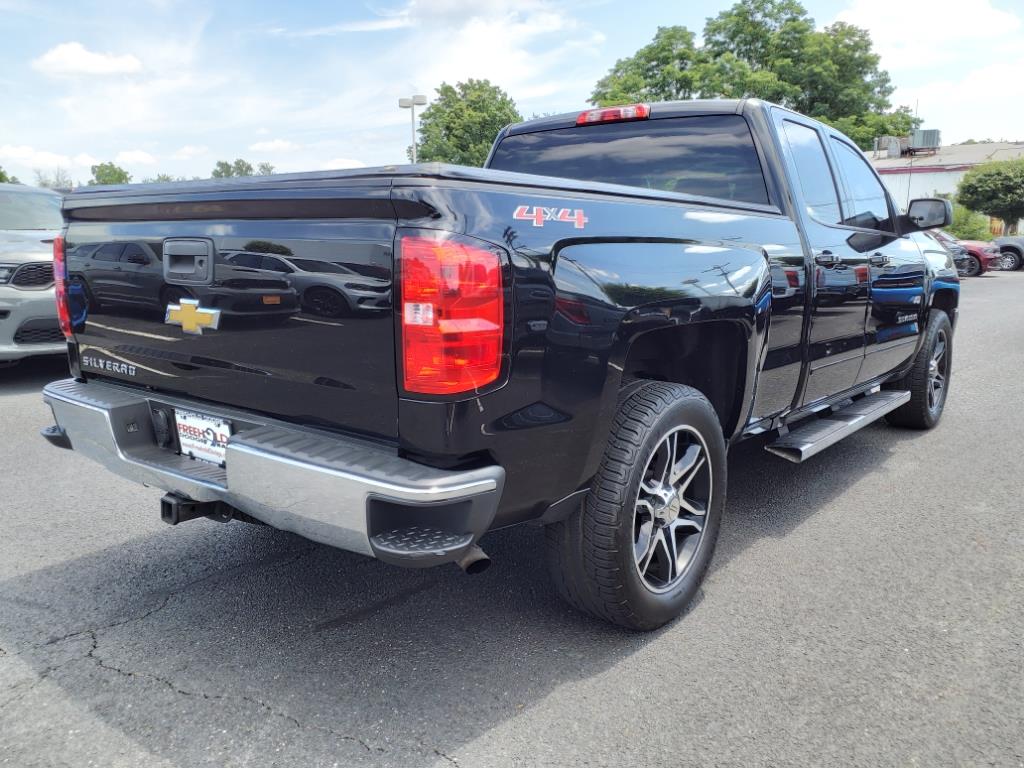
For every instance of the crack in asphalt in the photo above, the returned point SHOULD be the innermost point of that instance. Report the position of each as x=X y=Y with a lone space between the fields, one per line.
x=177 y=689
x=449 y=758
x=166 y=599
x=91 y=654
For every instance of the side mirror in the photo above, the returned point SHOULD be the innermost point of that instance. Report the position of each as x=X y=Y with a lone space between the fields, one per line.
x=138 y=259
x=928 y=213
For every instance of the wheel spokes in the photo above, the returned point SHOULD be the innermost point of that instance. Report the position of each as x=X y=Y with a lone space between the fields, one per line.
x=686 y=465
x=671 y=507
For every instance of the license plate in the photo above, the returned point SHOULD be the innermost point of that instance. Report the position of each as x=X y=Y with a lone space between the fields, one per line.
x=202 y=437
x=271 y=299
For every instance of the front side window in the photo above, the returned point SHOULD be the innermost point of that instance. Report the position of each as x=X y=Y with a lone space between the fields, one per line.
x=251 y=260
x=813 y=173
x=275 y=265
x=706 y=155
x=865 y=204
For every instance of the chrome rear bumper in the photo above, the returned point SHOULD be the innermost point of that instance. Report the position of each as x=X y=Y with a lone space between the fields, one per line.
x=336 y=490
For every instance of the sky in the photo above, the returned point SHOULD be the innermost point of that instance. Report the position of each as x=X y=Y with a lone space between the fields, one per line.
x=172 y=86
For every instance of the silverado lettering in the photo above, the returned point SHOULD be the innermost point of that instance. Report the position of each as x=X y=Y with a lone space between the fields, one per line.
x=445 y=353
x=108 y=365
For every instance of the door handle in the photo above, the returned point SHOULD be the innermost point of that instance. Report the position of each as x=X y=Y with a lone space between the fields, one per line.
x=826 y=259
x=878 y=259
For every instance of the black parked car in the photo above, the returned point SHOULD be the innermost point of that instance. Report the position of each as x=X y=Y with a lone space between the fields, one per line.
x=127 y=273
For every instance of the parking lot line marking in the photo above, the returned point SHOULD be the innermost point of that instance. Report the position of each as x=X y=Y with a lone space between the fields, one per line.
x=133 y=333
x=318 y=322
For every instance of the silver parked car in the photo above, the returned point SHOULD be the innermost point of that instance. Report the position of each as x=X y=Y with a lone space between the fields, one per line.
x=29 y=220
x=325 y=288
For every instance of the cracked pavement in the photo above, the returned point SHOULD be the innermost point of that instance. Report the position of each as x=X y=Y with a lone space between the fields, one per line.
x=863 y=609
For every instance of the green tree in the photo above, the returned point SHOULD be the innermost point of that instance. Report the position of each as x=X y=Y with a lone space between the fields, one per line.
x=265 y=169
x=995 y=189
x=162 y=178
x=59 y=179
x=108 y=173
x=867 y=126
x=224 y=170
x=968 y=224
x=6 y=178
x=663 y=70
x=768 y=49
x=266 y=246
x=460 y=125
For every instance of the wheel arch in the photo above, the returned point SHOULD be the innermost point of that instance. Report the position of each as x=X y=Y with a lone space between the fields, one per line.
x=947 y=300
x=711 y=357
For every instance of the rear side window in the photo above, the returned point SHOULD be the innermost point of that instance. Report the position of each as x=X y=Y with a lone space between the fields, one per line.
x=109 y=252
x=865 y=201
x=708 y=155
x=813 y=173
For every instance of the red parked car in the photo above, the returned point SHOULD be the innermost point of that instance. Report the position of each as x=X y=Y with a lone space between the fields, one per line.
x=981 y=256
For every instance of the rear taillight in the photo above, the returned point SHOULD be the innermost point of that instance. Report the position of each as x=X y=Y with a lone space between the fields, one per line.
x=793 y=278
x=452 y=314
x=614 y=114
x=60 y=284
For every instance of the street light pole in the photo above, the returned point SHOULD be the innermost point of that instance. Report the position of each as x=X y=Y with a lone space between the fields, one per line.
x=411 y=103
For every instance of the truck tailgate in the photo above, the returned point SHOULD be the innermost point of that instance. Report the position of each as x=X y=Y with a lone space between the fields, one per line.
x=294 y=319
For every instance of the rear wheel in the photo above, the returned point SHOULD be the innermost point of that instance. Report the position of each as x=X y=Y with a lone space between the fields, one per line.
x=636 y=551
x=928 y=379
x=79 y=284
x=1011 y=259
x=172 y=294
x=325 y=302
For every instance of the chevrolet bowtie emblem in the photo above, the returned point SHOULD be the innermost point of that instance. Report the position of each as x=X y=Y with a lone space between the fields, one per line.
x=191 y=317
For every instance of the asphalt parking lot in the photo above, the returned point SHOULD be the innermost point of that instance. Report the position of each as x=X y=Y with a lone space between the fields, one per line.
x=865 y=608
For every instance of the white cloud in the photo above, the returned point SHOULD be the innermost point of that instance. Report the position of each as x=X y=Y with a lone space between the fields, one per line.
x=341 y=163
x=366 y=25
x=134 y=157
x=84 y=160
x=995 y=110
x=274 y=145
x=909 y=36
x=32 y=157
x=955 y=66
x=189 y=151
x=75 y=59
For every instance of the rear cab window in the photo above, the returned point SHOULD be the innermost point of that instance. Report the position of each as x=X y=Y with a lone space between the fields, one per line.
x=706 y=155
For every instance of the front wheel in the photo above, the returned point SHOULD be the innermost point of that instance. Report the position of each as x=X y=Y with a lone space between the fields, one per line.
x=1011 y=260
x=636 y=551
x=973 y=267
x=928 y=379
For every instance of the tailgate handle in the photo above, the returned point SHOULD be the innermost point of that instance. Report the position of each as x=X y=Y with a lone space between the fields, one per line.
x=188 y=260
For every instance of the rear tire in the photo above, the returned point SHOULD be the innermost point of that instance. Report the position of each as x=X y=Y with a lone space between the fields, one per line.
x=636 y=551
x=928 y=380
x=172 y=295
x=325 y=302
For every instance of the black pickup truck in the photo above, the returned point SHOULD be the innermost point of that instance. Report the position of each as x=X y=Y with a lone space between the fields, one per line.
x=572 y=336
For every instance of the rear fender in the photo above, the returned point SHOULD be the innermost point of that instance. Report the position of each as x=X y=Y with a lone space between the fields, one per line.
x=610 y=293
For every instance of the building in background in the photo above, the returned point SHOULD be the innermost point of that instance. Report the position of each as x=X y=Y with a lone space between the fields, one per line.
x=938 y=171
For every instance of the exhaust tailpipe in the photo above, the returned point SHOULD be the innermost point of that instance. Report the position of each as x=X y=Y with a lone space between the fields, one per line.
x=474 y=561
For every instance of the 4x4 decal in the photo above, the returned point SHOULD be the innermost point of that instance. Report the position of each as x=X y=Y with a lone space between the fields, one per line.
x=538 y=215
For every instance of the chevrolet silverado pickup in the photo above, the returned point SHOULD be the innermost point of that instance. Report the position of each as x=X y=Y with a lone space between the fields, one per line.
x=571 y=336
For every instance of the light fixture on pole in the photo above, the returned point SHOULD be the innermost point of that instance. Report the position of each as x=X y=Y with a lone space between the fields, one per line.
x=411 y=103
